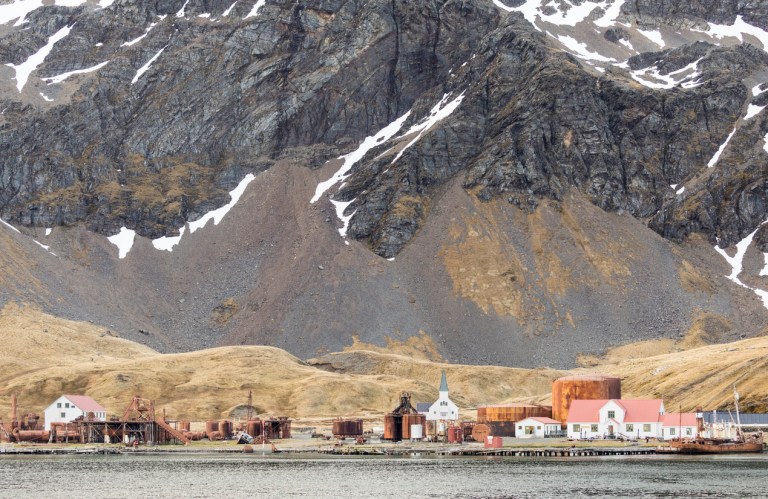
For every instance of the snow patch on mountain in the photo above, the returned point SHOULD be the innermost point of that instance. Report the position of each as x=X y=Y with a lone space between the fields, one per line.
x=123 y=240
x=753 y=111
x=166 y=243
x=654 y=36
x=439 y=112
x=341 y=207
x=63 y=76
x=580 y=49
x=218 y=214
x=139 y=38
x=737 y=261
x=229 y=9
x=686 y=77
x=350 y=159
x=24 y=69
x=716 y=157
x=255 y=10
x=737 y=30
x=146 y=66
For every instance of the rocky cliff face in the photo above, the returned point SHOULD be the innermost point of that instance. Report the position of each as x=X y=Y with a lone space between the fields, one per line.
x=144 y=114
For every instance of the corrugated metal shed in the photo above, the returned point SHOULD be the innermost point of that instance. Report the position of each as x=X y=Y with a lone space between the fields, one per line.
x=746 y=419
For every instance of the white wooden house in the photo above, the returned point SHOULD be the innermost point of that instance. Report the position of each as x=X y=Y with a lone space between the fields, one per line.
x=69 y=407
x=676 y=425
x=632 y=418
x=537 y=427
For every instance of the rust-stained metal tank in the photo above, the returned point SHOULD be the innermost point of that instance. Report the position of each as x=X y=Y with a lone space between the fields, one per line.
x=253 y=427
x=393 y=427
x=455 y=434
x=512 y=412
x=211 y=426
x=195 y=435
x=33 y=435
x=347 y=428
x=184 y=425
x=581 y=387
x=214 y=435
x=480 y=431
x=412 y=419
x=225 y=428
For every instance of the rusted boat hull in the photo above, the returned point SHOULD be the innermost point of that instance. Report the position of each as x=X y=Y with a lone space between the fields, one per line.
x=711 y=447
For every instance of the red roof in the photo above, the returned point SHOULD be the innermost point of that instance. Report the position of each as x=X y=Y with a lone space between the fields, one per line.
x=85 y=403
x=677 y=419
x=585 y=411
x=543 y=420
x=636 y=410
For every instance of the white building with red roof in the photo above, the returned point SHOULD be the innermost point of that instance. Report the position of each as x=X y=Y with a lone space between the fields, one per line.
x=679 y=424
x=537 y=427
x=632 y=418
x=67 y=408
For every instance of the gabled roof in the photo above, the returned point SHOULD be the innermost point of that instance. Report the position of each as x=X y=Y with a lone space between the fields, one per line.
x=635 y=410
x=585 y=411
x=677 y=419
x=543 y=420
x=642 y=410
x=85 y=403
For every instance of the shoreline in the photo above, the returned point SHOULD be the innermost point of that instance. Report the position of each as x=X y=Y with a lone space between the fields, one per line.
x=285 y=448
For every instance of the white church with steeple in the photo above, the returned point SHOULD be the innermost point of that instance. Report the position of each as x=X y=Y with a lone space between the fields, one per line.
x=443 y=409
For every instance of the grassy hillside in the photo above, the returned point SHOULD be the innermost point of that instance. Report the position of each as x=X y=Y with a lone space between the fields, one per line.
x=45 y=356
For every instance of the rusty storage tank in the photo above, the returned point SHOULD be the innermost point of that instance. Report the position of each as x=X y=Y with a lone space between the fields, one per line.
x=211 y=426
x=253 y=427
x=393 y=427
x=512 y=412
x=455 y=434
x=581 y=387
x=412 y=419
x=184 y=425
x=347 y=428
x=214 y=435
x=33 y=435
x=225 y=428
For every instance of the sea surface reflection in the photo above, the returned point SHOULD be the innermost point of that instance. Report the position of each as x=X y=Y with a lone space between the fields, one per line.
x=234 y=475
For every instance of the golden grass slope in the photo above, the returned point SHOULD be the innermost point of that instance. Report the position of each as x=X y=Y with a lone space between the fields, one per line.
x=45 y=356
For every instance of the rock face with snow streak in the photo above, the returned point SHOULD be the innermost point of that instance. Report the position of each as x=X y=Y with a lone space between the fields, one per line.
x=169 y=105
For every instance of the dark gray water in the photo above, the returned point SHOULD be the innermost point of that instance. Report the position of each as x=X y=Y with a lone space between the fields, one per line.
x=158 y=476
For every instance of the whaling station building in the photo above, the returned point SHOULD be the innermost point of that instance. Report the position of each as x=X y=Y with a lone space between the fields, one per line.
x=69 y=407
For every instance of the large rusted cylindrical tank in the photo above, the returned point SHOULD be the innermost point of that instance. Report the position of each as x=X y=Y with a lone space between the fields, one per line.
x=33 y=436
x=211 y=426
x=412 y=419
x=512 y=412
x=253 y=427
x=581 y=387
x=455 y=434
x=393 y=427
x=502 y=428
x=225 y=428
x=347 y=428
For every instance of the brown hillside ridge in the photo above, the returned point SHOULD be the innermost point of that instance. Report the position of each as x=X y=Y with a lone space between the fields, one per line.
x=47 y=356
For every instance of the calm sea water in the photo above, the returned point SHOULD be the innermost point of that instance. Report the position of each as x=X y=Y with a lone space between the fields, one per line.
x=159 y=476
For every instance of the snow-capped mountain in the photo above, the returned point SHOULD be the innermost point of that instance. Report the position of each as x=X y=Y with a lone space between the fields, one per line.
x=520 y=181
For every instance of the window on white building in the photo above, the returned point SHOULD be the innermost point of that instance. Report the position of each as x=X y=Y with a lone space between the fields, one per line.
x=646 y=427
x=630 y=427
x=611 y=414
x=594 y=428
x=576 y=427
x=689 y=431
x=63 y=414
x=672 y=431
